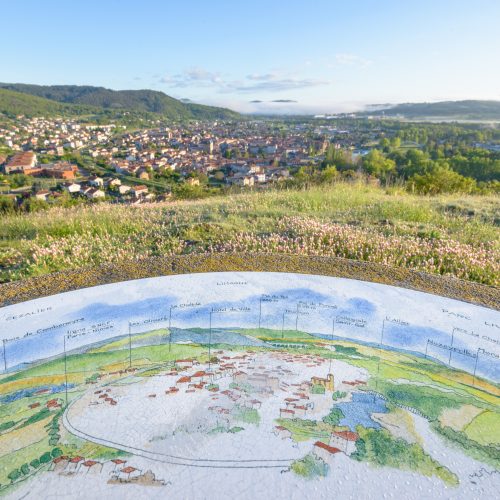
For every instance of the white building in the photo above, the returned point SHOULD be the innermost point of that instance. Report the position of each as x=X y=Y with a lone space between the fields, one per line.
x=344 y=441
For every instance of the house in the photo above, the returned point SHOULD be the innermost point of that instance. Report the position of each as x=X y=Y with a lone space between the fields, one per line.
x=53 y=404
x=72 y=187
x=59 y=170
x=128 y=472
x=285 y=413
x=21 y=163
x=142 y=173
x=91 y=466
x=139 y=190
x=242 y=180
x=123 y=189
x=300 y=411
x=94 y=194
x=96 y=181
x=200 y=376
x=345 y=441
x=184 y=363
x=195 y=387
x=118 y=461
x=282 y=432
x=324 y=451
x=110 y=466
x=60 y=463
x=73 y=464
x=183 y=382
x=114 y=182
x=327 y=383
x=121 y=166
x=42 y=194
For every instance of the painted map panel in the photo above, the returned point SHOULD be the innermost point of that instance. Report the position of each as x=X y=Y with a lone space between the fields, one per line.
x=254 y=385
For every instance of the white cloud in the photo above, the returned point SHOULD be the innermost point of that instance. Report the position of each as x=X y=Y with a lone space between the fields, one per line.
x=192 y=77
x=274 y=82
x=271 y=82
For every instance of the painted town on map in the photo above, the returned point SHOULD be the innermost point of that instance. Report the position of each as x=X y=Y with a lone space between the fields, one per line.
x=264 y=384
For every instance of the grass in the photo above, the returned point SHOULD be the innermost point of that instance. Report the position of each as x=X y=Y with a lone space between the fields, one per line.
x=40 y=243
x=485 y=428
x=305 y=430
x=24 y=455
x=382 y=449
x=84 y=364
x=268 y=334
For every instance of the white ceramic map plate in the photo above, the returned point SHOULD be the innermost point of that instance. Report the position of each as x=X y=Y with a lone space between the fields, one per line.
x=256 y=385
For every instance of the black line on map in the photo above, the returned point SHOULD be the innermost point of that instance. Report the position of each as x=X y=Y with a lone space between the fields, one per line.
x=210 y=342
x=129 y=346
x=260 y=311
x=65 y=369
x=170 y=329
x=380 y=348
x=475 y=367
x=451 y=345
x=333 y=334
x=4 y=356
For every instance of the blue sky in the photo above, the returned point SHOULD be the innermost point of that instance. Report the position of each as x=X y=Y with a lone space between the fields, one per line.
x=326 y=55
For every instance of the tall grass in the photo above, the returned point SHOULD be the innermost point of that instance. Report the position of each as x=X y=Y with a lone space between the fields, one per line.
x=37 y=243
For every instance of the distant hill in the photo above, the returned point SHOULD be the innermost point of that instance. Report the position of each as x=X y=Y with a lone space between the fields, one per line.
x=95 y=98
x=465 y=110
x=17 y=103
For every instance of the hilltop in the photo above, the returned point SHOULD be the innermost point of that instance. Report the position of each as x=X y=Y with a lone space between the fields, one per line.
x=17 y=103
x=78 y=100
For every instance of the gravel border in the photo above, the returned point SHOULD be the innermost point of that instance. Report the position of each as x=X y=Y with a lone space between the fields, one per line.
x=74 y=279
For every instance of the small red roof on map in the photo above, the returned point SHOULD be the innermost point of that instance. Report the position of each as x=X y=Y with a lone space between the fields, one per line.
x=128 y=470
x=347 y=435
x=329 y=449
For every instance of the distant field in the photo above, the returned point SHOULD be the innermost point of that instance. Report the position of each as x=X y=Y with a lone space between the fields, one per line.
x=455 y=235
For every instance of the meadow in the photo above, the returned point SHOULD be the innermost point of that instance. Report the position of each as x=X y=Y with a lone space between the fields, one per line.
x=453 y=235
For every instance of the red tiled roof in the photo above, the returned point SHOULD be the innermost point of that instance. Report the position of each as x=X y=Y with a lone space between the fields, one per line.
x=128 y=470
x=347 y=435
x=329 y=449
